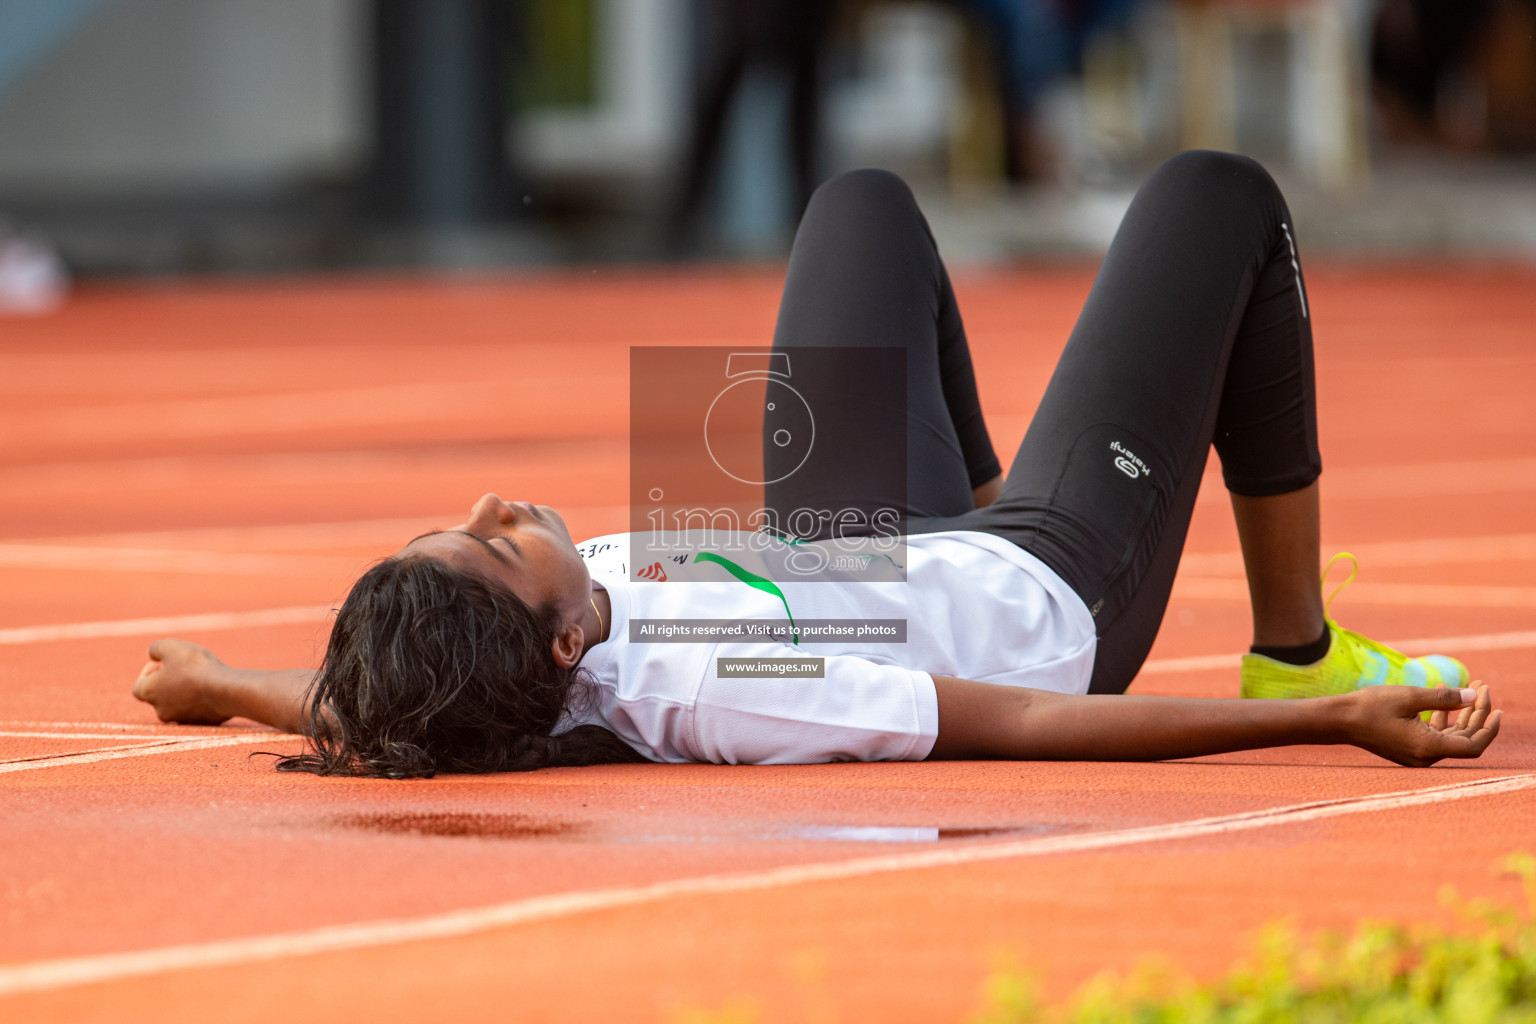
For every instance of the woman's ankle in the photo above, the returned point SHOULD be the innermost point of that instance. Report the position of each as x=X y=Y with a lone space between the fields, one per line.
x=1298 y=654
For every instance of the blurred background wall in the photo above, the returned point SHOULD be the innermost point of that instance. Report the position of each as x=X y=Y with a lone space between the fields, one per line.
x=163 y=95
x=175 y=136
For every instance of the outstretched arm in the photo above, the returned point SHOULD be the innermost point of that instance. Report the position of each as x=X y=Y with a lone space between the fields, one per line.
x=979 y=720
x=185 y=683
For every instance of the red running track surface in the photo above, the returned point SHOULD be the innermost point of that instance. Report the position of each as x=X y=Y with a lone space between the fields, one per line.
x=218 y=461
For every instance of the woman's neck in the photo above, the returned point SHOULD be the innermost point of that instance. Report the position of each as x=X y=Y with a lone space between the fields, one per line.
x=597 y=623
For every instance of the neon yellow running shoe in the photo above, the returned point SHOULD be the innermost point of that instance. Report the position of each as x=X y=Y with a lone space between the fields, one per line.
x=1352 y=661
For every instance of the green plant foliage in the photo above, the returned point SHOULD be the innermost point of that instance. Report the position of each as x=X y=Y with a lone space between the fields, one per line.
x=1481 y=973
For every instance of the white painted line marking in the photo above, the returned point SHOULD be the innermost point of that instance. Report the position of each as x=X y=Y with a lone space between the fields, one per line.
x=1508 y=547
x=243 y=415
x=287 y=537
x=1203 y=663
x=1478 y=642
x=46 y=760
x=176 y=731
x=1440 y=595
x=1420 y=480
x=166 y=624
x=166 y=560
x=1192 y=567
x=1418 y=645
x=292 y=537
x=81 y=735
x=65 y=972
x=163 y=746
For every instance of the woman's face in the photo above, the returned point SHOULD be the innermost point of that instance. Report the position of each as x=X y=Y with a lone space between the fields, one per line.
x=521 y=545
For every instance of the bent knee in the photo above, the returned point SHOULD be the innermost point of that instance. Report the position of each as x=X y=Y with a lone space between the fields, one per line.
x=1212 y=170
x=863 y=188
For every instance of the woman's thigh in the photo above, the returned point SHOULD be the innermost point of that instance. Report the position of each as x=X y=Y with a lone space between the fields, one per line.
x=890 y=386
x=1104 y=484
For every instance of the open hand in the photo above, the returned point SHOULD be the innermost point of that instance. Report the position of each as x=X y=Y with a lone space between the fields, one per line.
x=1385 y=720
x=179 y=682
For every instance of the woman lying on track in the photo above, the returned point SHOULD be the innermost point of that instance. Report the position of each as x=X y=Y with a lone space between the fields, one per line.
x=1031 y=600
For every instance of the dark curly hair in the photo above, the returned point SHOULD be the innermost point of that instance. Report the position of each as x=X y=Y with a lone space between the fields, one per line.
x=433 y=669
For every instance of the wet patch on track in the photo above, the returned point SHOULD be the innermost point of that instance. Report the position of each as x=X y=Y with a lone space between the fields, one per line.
x=459 y=825
x=912 y=834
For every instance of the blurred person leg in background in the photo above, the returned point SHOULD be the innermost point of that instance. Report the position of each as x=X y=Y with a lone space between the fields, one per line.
x=1034 y=45
x=1459 y=74
x=735 y=37
x=1417 y=45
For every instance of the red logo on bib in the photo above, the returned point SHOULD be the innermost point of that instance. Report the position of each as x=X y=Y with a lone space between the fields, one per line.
x=654 y=571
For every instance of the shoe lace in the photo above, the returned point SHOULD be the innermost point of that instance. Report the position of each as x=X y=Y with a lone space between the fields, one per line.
x=1354 y=570
x=1396 y=658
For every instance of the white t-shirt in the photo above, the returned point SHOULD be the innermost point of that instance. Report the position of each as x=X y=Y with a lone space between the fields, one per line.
x=976 y=607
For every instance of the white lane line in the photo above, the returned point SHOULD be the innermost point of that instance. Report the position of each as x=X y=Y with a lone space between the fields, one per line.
x=286 y=538
x=1193 y=566
x=1440 y=595
x=21 y=764
x=65 y=972
x=1418 y=645
x=242 y=415
x=316 y=613
x=81 y=735
x=1202 y=663
x=1420 y=480
x=164 y=560
x=300 y=549
x=1478 y=642
x=172 y=731
x=165 y=624
x=163 y=746
x=295 y=537
x=1508 y=547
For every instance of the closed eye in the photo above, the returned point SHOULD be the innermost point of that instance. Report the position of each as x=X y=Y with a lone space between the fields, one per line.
x=496 y=552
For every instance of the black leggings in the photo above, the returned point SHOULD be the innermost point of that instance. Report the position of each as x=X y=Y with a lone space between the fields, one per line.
x=1196 y=331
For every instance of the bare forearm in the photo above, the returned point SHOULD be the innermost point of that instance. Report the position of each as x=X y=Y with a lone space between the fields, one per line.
x=275 y=698
x=1135 y=728
x=184 y=682
x=977 y=720
x=1113 y=728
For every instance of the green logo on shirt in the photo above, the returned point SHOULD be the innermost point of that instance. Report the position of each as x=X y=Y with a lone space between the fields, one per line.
x=754 y=581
